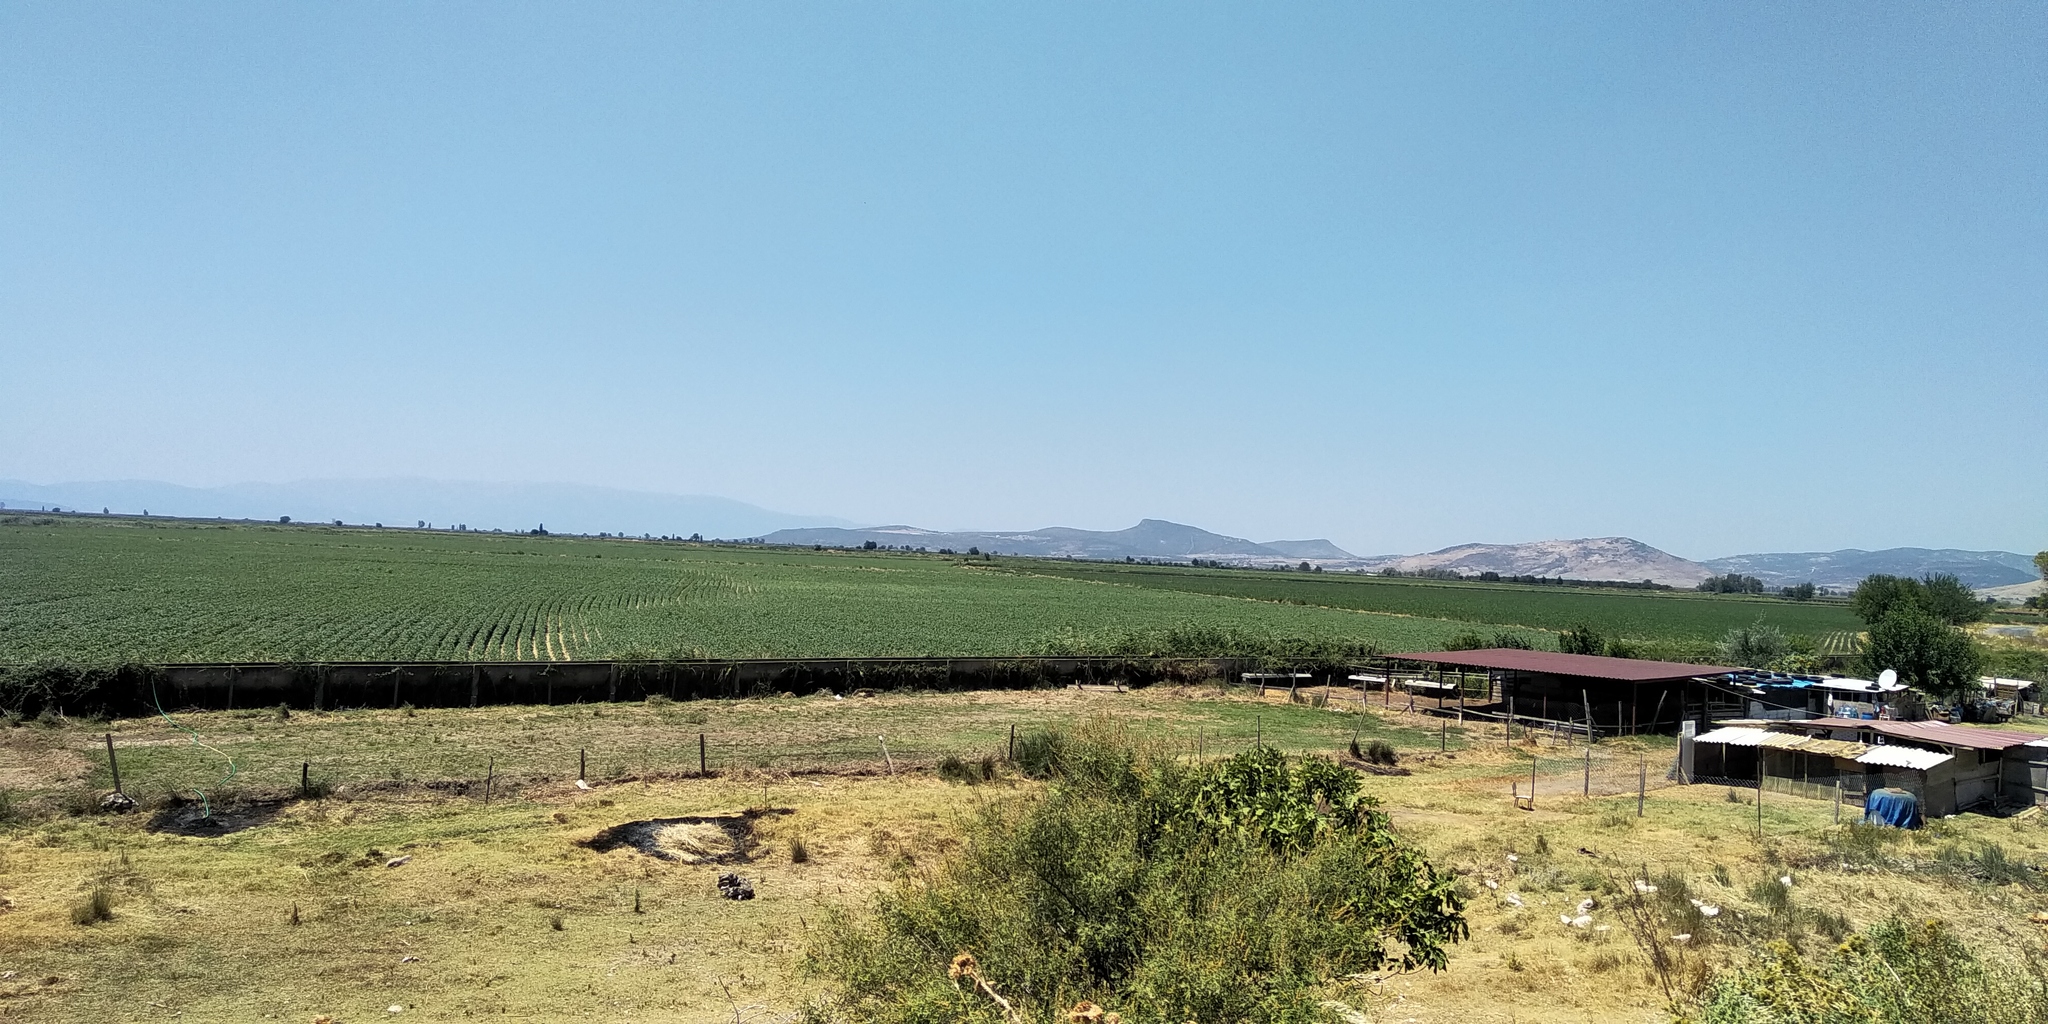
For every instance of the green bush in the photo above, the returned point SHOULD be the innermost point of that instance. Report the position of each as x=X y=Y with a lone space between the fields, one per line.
x=1246 y=890
x=1896 y=973
x=1038 y=753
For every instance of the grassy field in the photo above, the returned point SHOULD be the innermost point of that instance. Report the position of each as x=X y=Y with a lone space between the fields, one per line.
x=163 y=590
x=1638 y=614
x=503 y=911
x=109 y=590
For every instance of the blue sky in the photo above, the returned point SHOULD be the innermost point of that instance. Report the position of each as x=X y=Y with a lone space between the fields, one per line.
x=1722 y=278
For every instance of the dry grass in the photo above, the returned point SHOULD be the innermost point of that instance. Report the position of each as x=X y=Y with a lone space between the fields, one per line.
x=468 y=925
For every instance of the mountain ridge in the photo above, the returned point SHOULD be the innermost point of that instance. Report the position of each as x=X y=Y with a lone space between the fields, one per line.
x=564 y=508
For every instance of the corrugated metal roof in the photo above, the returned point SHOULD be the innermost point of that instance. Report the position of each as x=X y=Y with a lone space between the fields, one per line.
x=1586 y=666
x=1895 y=756
x=1785 y=741
x=1931 y=732
x=1734 y=736
x=1835 y=748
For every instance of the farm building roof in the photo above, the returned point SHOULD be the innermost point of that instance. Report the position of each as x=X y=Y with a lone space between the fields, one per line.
x=1733 y=736
x=1930 y=732
x=1895 y=756
x=1585 y=666
x=1750 y=736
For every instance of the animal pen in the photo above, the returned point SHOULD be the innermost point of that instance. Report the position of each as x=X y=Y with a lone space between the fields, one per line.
x=1561 y=693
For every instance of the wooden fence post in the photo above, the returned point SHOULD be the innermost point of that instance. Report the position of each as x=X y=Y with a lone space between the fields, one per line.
x=700 y=756
x=113 y=766
x=1642 y=784
x=490 y=778
x=1586 y=789
x=305 y=779
x=582 y=764
x=1013 y=736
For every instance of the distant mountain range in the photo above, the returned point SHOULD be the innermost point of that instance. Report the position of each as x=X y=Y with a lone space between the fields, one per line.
x=1151 y=538
x=573 y=508
x=564 y=508
x=1845 y=568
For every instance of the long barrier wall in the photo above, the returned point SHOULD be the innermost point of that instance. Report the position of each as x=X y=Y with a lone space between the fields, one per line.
x=144 y=689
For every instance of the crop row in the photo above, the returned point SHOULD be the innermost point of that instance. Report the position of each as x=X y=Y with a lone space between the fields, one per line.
x=162 y=591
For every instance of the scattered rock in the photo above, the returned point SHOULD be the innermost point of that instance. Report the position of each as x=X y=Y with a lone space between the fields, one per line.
x=117 y=803
x=733 y=887
x=396 y=861
x=409 y=959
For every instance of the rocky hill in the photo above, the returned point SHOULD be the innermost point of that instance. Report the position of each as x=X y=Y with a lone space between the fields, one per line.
x=1595 y=558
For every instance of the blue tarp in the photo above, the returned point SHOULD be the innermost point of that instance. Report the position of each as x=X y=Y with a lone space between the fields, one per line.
x=1895 y=807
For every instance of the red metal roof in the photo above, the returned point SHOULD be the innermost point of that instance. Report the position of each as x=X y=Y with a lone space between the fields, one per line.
x=1587 y=666
x=1930 y=732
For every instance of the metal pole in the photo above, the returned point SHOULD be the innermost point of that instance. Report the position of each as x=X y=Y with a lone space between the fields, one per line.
x=1587 y=788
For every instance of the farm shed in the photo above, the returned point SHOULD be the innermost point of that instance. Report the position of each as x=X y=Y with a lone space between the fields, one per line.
x=1606 y=696
x=1949 y=768
x=1779 y=695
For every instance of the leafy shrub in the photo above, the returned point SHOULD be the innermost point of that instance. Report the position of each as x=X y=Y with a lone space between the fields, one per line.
x=1896 y=973
x=1242 y=890
x=1038 y=753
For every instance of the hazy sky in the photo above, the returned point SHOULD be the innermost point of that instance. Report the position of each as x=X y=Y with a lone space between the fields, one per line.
x=1719 y=277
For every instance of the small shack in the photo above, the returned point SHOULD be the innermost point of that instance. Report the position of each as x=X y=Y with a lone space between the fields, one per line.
x=1950 y=768
x=1602 y=696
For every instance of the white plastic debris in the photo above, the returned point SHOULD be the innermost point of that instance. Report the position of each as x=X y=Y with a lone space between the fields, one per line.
x=1644 y=887
x=1512 y=900
x=1581 y=921
x=1785 y=880
x=1514 y=859
x=1682 y=937
x=396 y=861
x=394 y=1008
x=580 y=784
x=1709 y=910
x=1491 y=884
x=1586 y=905
x=1564 y=919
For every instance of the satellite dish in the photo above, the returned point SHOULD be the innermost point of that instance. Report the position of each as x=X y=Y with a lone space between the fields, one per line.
x=1888 y=678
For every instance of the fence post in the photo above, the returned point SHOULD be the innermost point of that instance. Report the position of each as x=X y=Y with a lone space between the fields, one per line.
x=490 y=778
x=1013 y=735
x=1592 y=731
x=1587 y=788
x=582 y=764
x=700 y=756
x=305 y=779
x=1642 y=784
x=1759 y=792
x=885 y=753
x=113 y=766
x=1443 y=735
x=1532 y=780
x=1838 y=803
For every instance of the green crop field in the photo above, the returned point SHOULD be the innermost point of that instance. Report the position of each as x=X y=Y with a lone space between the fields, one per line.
x=95 y=590
x=1638 y=614
x=107 y=590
